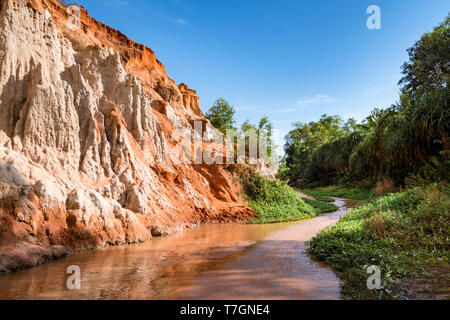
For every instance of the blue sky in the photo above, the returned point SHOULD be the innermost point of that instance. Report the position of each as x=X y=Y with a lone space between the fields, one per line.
x=290 y=60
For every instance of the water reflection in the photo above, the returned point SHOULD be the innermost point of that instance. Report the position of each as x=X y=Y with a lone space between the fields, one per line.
x=211 y=261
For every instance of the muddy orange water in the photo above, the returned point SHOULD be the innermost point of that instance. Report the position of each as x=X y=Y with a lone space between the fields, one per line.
x=218 y=261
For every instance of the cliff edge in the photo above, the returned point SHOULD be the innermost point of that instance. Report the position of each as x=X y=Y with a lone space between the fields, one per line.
x=86 y=154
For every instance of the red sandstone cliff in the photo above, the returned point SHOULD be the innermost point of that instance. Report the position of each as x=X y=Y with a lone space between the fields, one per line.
x=86 y=157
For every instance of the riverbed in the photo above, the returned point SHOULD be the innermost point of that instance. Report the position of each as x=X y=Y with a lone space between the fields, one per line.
x=214 y=261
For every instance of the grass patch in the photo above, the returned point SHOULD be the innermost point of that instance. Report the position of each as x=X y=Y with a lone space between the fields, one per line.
x=273 y=200
x=324 y=193
x=321 y=207
x=316 y=194
x=403 y=233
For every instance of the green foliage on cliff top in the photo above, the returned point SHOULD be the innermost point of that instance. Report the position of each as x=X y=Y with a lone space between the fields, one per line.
x=221 y=115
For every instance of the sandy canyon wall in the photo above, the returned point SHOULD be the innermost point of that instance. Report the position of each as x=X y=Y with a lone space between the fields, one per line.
x=86 y=155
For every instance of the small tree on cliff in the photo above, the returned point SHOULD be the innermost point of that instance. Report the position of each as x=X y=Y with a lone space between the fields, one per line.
x=221 y=115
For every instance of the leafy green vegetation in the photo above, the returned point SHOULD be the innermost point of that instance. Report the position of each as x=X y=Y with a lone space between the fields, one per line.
x=260 y=135
x=405 y=146
x=392 y=143
x=402 y=233
x=263 y=132
x=303 y=140
x=316 y=194
x=324 y=193
x=428 y=65
x=321 y=207
x=221 y=115
x=273 y=200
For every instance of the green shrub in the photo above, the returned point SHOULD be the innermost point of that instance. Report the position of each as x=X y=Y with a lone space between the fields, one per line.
x=324 y=193
x=273 y=200
x=321 y=207
x=399 y=232
x=317 y=194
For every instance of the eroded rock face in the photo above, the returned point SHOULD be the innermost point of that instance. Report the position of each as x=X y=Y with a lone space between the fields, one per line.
x=86 y=157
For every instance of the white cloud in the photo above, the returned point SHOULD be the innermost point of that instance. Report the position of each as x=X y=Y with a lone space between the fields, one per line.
x=177 y=20
x=317 y=99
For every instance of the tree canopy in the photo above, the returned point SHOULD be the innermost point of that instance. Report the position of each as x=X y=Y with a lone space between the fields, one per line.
x=395 y=142
x=221 y=115
x=429 y=61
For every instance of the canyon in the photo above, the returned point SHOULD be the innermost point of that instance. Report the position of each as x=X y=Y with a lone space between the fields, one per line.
x=86 y=155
